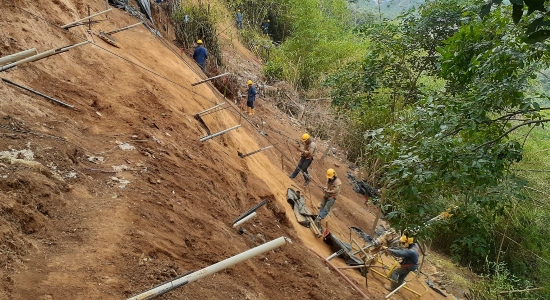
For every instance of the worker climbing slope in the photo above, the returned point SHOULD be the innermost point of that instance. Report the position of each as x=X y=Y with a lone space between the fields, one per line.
x=331 y=192
x=306 y=158
x=239 y=19
x=200 y=55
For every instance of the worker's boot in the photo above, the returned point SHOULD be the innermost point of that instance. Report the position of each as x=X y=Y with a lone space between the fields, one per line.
x=252 y=111
x=307 y=179
x=248 y=110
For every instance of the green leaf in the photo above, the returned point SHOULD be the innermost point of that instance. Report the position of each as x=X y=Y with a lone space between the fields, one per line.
x=535 y=5
x=485 y=9
x=517 y=13
x=537 y=24
x=517 y=2
x=538 y=36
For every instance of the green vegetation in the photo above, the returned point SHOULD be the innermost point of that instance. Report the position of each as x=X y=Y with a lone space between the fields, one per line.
x=443 y=107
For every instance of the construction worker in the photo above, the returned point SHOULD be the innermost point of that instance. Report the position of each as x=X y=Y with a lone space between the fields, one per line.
x=306 y=158
x=331 y=192
x=265 y=27
x=409 y=253
x=239 y=19
x=251 y=98
x=200 y=55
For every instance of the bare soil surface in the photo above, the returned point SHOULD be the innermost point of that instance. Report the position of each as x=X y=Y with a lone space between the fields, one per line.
x=118 y=195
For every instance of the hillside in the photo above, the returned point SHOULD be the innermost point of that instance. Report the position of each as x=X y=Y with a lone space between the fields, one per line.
x=118 y=195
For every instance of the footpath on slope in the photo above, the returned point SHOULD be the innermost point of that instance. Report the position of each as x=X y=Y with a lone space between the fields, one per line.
x=115 y=220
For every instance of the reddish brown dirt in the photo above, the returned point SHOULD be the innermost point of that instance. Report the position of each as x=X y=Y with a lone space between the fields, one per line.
x=83 y=217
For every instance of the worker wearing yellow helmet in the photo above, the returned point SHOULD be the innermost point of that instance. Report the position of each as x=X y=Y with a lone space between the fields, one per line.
x=200 y=55
x=409 y=253
x=251 y=92
x=239 y=19
x=331 y=192
x=306 y=158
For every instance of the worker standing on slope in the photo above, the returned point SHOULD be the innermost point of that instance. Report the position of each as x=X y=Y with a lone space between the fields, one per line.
x=239 y=19
x=409 y=253
x=251 y=98
x=331 y=192
x=306 y=158
x=265 y=27
x=200 y=55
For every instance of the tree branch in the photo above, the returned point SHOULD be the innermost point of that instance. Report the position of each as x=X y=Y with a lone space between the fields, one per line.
x=510 y=130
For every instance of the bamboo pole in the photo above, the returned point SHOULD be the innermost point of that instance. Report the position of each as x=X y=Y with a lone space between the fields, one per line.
x=18 y=56
x=84 y=19
x=382 y=196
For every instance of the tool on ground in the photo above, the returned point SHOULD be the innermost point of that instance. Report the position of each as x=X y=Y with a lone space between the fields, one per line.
x=108 y=39
x=336 y=254
x=38 y=93
x=241 y=155
x=242 y=231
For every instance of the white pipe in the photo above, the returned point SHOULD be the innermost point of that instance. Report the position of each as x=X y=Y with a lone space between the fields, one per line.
x=41 y=55
x=250 y=216
x=218 y=266
x=88 y=17
x=395 y=291
x=18 y=56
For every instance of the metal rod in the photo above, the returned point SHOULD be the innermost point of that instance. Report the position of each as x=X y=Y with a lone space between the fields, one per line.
x=38 y=93
x=123 y=28
x=18 y=56
x=211 y=108
x=215 y=267
x=208 y=79
x=253 y=209
x=254 y=152
x=84 y=19
x=333 y=255
x=41 y=55
x=202 y=139
x=250 y=216
x=341 y=274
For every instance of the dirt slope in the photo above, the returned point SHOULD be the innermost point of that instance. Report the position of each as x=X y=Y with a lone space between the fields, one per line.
x=119 y=195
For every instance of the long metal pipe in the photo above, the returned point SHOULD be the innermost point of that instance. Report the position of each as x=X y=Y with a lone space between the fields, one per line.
x=341 y=274
x=41 y=55
x=202 y=139
x=38 y=93
x=83 y=19
x=218 y=266
x=250 y=216
x=17 y=56
x=211 y=108
x=123 y=28
x=211 y=78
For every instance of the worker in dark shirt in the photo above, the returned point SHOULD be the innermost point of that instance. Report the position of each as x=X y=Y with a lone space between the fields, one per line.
x=409 y=253
x=200 y=55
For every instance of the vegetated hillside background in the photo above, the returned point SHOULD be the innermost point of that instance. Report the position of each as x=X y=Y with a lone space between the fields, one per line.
x=118 y=195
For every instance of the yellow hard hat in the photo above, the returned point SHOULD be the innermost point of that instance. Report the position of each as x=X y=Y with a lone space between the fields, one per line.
x=305 y=137
x=331 y=173
x=405 y=240
x=268 y=21
x=199 y=42
x=238 y=10
x=249 y=82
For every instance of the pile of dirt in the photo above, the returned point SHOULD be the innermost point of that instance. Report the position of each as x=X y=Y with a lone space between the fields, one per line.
x=118 y=195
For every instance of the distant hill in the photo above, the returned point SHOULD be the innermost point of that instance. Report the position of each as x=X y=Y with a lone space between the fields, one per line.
x=388 y=8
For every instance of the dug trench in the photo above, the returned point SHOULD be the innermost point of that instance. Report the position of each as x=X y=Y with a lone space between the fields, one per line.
x=119 y=195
